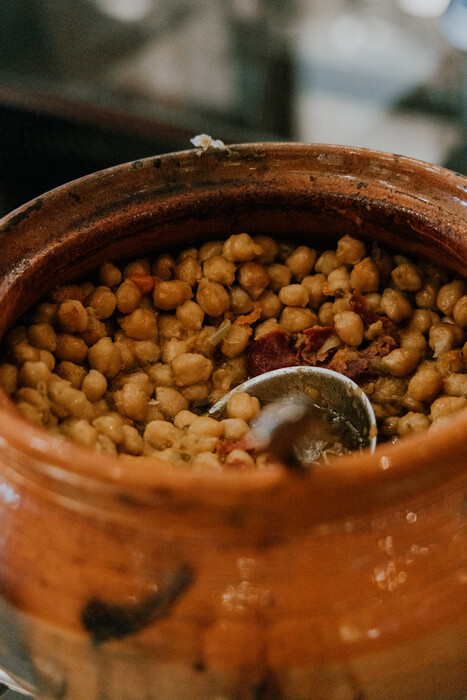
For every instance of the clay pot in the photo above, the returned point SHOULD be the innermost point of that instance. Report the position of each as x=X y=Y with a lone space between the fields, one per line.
x=139 y=582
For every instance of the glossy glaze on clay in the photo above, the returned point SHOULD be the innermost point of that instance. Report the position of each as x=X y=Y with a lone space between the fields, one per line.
x=139 y=583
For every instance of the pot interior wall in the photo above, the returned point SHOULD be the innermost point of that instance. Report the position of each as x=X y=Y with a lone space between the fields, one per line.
x=120 y=231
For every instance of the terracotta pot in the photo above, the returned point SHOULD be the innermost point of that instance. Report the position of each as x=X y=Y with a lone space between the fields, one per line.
x=143 y=583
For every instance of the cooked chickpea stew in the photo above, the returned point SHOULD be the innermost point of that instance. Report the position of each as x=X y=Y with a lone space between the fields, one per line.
x=130 y=361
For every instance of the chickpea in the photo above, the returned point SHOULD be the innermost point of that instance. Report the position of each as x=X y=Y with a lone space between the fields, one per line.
x=184 y=418
x=326 y=314
x=43 y=336
x=269 y=248
x=160 y=434
x=8 y=378
x=71 y=372
x=383 y=262
x=337 y=283
x=190 y=315
x=350 y=250
x=170 y=401
x=239 y=459
x=186 y=254
x=163 y=267
x=445 y=406
x=189 y=271
x=212 y=297
x=412 y=422
x=110 y=425
x=450 y=362
x=425 y=298
x=47 y=357
x=109 y=275
x=204 y=426
x=94 y=385
x=218 y=269
x=301 y=262
x=316 y=285
x=131 y=401
x=240 y=301
x=139 y=379
x=33 y=373
x=191 y=368
x=234 y=428
x=173 y=347
x=104 y=356
x=68 y=291
x=67 y=401
x=206 y=461
x=415 y=340
x=374 y=301
x=82 y=432
x=349 y=328
x=455 y=385
x=141 y=324
x=241 y=248
x=30 y=412
x=401 y=361
x=137 y=267
x=45 y=313
x=279 y=276
x=210 y=250
x=459 y=311
x=327 y=262
x=72 y=317
x=406 y=277
x=253 y=278
x=236 y=340
x=103 y=301
x=168 y=295
x=395 y=305
x=449 y=295
x=71 y=348
x=441 y=338
x=421 y=321
x=146 y=351
x=94 y=331
x=267 y=326
x=196 y=392
x=295 y=319
x=132 y=442
x=364 y=276
x=294 y=295
x=425 y=384
x=244 y=406
x=23 y=352
x=269 y=305
x=128 y=296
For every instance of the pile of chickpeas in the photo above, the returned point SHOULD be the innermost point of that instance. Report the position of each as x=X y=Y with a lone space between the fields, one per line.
x=130 y=362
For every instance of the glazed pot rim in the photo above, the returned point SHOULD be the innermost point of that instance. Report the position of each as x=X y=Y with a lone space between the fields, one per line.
x=397 y=469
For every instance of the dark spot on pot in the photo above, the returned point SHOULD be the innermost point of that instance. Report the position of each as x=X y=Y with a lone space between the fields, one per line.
x=157 y=163
x=75 y=197
x=199 y=667
x=267 y=689
x=312 y=178
x=137 y=165
x=24 y=214
x=105 y=620
x=361 y=185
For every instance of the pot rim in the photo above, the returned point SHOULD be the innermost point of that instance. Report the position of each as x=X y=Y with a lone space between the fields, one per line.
x=365 y=480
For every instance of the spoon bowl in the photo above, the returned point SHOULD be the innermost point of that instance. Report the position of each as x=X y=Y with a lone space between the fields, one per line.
x=291 y=398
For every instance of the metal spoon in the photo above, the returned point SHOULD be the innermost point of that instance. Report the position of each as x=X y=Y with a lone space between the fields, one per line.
x=294 y=401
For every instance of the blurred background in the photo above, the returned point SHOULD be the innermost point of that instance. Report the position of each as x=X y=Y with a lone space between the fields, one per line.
x=85 y=84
